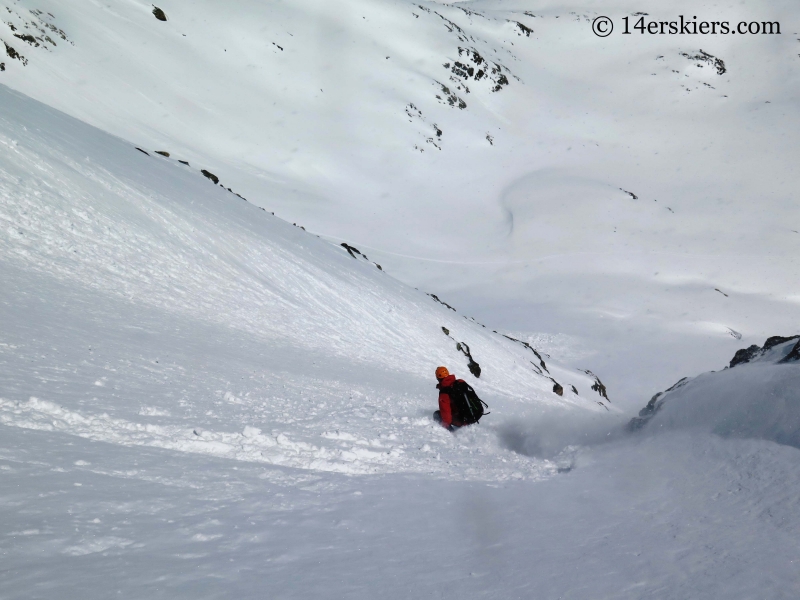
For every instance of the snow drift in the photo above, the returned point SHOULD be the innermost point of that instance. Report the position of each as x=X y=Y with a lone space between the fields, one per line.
x=758 y=396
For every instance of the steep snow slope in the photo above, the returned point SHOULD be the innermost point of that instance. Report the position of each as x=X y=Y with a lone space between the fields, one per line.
x=758 y=396
x=275 y=345
x=200 y=400
x=625 y=191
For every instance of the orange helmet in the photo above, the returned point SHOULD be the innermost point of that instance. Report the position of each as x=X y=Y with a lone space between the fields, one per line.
x=442 y=372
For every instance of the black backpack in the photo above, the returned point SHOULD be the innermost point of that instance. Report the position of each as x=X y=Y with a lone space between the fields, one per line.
x=465 y=404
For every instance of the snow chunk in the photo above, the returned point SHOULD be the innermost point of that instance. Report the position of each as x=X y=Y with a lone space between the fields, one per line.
x=152 y=411
x=251 y=432
x=96 y=545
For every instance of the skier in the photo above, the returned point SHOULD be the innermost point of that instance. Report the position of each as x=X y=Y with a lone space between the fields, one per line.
x=459 y=405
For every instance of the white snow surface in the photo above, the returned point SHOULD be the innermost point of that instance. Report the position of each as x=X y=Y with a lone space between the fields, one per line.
x=275 y=345
x=728 y=407
x=618 y=190
x=200 y=400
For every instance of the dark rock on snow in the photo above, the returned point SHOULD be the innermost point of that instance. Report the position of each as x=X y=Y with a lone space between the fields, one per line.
x=473 y=367
x=713 y=61
x=210 y=176
x=598 y=386
x=12 y=53
x=745 y=355
x=656 y=402
x=27 y=38
x=436 y=298
x=159 y=14
x=524 y=29
x=351 y=250
x=794 y=355
x=529 y=347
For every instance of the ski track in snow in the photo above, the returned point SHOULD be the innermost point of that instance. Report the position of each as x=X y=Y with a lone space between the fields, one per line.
x=475 y=457
x=198 y=400
x=150 y=308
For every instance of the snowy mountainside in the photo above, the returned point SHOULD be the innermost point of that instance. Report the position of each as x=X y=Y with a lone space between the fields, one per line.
x=625 y=190
x=146 y=305
x=774 y=350
x=757 y=396
x=192 y=390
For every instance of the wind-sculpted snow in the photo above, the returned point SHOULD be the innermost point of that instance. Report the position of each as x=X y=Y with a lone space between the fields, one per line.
x=760 y=400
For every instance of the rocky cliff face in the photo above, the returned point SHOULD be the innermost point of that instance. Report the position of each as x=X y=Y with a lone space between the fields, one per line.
x=754 y=352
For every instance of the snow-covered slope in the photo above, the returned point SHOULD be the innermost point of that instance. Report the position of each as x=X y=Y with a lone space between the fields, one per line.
x=625 y=191
x=201 y=400
x=757 y=396
x=196 y=398
x=256 y=339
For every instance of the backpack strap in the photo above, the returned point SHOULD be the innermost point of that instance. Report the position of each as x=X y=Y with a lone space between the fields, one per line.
x=471 y=389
